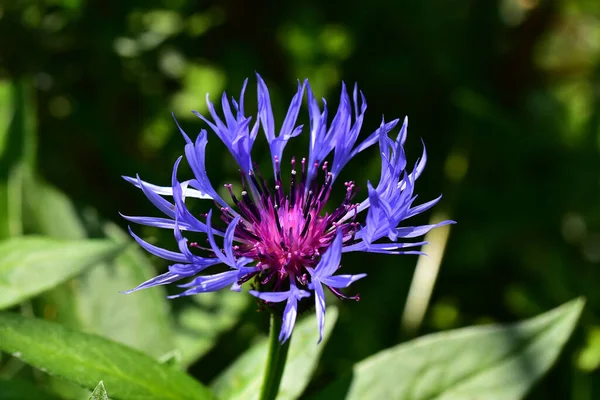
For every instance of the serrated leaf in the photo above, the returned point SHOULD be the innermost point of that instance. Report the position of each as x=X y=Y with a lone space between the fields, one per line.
x=30 y=265
x=494 y=363
x=23 y=390
x=243 y=379
x=99 y=393
x=17 y=151
x=86 y=359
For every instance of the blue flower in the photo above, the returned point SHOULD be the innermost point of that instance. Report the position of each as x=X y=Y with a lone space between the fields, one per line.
x=282 y=241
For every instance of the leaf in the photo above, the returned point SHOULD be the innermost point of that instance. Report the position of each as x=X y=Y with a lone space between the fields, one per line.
x=86 y=359
x=23 y=390
x=140 y=320
x=93 y=302
x=49 y=212
x=31 y=265
x=243 y=379
x=17 y=151
x=99 y=393
x=200 y=324
x=492 y=362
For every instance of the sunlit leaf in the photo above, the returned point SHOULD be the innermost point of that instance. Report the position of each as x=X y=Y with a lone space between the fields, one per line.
x=492 y=362
x=31 y=265
x=243 y=379
x=86 y=359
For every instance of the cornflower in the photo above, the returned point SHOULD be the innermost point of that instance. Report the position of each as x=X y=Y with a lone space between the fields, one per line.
x=281 y=238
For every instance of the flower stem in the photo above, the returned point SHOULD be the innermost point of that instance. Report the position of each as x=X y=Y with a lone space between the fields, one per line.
x=275 y=362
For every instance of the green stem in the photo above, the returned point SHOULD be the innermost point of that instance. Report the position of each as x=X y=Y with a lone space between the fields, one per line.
x=275 y=362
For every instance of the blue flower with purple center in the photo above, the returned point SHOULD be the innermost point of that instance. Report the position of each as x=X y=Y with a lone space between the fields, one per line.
x=276 y=234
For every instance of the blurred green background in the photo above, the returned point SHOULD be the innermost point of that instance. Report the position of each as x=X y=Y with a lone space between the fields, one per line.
x=505 y=94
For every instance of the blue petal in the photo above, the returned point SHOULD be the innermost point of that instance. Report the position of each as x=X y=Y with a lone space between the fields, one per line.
x=195 y=155
x=291 y=311
x=390 y=248
x=330 y=261
x=157 y=251
x=234 y=131
x=160 y=203
x=213 y=244
x=265 y=111
x=414 y=231
x=191 y=269
x=319 y=307
x=420 y=167
x=163 y=279
x=341 y=281
x=289 y=319
x=210 y=283
x=422 y=208
x=165 y=190
x=164 y=223
x=181 y=211
x=287 y=128
x=228 y=243
x=272 y=297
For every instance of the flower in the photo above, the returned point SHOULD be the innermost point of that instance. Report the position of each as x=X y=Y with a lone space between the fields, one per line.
x=283 y=240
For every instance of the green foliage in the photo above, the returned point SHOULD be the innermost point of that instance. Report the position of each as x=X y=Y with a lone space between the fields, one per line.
x=23 y=390
x=93 y=301
x=17 y=151
x=31 y=265
x=200 y=323
x=141 y=320
x=243 y=379
x=86 y=359
x=491 y=362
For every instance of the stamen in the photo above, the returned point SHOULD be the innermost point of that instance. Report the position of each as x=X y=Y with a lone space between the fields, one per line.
x=306 y=225
x=341 y=296
x=293 y=188
x=307 y=203
x=256 y=184
x=287 y=232
x=233 y=198
x=277 y=171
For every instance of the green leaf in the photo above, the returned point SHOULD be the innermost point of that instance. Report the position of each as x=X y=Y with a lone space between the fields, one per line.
x=94 y=302
x=31 y=265
x=243 y=379
x=86 y=359
x=23 y=390
x=17 y=151
x=492 y=362
x=49 y=212
x=99 y=393
x=200 y=324
x=140 y=320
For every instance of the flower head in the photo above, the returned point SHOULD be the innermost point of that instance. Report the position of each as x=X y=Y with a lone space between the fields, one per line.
x=277 y=234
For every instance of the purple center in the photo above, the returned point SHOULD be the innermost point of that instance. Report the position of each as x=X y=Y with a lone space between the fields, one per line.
x=287 y=233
